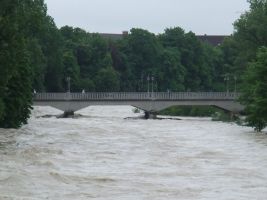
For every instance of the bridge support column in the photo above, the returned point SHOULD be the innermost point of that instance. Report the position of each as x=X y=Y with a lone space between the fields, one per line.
x=234 y=116
x=150 y=115
x=67 y=114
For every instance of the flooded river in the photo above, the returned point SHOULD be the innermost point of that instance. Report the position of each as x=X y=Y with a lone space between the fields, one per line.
x=106 y=157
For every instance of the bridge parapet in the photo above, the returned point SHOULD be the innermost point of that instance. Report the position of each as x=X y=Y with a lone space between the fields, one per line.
x=135 y=96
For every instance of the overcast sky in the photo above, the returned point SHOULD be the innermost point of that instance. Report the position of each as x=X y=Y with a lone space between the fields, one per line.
x=213 y=17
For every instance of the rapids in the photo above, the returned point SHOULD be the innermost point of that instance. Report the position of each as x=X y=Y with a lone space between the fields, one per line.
x=107 y=157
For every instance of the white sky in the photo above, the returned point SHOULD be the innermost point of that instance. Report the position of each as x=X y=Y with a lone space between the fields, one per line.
x=212 y=17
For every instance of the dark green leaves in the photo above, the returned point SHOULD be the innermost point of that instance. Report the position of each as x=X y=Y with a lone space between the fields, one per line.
x=255 y=91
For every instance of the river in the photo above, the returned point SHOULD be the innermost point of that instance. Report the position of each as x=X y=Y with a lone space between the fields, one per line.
x=107 y=157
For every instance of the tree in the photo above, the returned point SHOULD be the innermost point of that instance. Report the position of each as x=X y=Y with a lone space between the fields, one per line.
x=90 y=54
x=194 y=58
x=250 y=38
x=173 y=37
x=140 y=57
x=8 y=39
x=71 y=69
x=250 y=32
x=107 y=80
x=52 y=45
x=254 y=95
x=30 y=54
x=15 y=69
x=38 y=63
x=171 y=73
x=18 y=95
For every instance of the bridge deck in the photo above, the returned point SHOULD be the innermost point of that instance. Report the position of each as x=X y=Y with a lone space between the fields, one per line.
x=150 y=102
x=136 y=96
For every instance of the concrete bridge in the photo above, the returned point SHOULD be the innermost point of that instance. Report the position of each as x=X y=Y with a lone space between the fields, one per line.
x=151 y=103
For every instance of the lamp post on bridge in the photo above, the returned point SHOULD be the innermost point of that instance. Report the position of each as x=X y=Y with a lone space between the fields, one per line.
x=148 y=79
x=152 y=87
x=226 y=79
x=235 y=78
x=142 y=82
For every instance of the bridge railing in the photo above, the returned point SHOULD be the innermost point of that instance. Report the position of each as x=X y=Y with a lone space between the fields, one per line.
x=136 y=96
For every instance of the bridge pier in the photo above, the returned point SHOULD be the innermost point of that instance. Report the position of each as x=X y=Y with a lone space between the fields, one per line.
x=67 y=114
x=150 y=115
x=234 y=116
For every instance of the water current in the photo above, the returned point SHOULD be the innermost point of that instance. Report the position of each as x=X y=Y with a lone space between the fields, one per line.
x=107 y=157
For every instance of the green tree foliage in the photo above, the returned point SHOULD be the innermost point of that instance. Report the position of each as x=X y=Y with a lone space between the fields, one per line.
x=140 y=56
x=228 y=64
x=197 y=60
x=176 y=60
x=254 y=94
x=196 y=111
x=250 y=30
x=52 y=44
x=18 y=96
x=241 y=58
x=107 y=80
x=38 y=64
x=192 y=59
x=71 y=69
x=30 y=54
x=213 y=63
x=250 y=34
x=15 y=69
x=8 y=44
x=44 y=46
x=171 y=74
x=91 y=56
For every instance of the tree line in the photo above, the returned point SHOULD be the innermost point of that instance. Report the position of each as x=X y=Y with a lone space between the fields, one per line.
x=36 y=55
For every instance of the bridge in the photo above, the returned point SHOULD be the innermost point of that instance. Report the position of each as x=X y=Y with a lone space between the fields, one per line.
x=151 y=102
